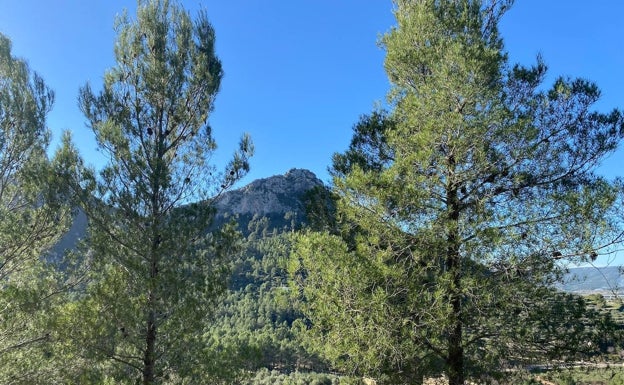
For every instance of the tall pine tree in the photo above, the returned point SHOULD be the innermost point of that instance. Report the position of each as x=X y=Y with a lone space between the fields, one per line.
x=156 y=269
x=456 y=206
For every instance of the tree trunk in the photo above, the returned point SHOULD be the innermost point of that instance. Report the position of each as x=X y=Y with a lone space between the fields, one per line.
x=149 y=361
x=149 y=355
x=455 y=361
x=455 y=357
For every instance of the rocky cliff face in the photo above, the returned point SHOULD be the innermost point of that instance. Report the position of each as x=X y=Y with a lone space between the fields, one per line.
x=280 y=200
x=278 y=194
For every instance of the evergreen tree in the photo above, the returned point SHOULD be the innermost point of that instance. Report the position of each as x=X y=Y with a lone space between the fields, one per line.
x=456 y=206
x=156 y=270
x=32 y=218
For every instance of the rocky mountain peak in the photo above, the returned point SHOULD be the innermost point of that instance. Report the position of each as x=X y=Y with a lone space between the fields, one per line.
x=278 y=194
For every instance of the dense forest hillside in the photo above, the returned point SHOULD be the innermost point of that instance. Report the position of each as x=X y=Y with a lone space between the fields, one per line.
x=256 y=321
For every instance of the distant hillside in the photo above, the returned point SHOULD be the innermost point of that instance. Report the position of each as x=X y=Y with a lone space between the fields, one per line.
x=585 y=280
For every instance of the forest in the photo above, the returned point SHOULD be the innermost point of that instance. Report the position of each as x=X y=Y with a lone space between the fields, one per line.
x=433 y=257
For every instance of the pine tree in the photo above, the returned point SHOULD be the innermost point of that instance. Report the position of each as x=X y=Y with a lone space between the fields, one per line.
x=456 y=208
x=32 y=218
x=157 y=266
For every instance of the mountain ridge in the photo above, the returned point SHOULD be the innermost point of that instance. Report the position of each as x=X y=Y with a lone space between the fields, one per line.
x=270 y=195
x=594 y=280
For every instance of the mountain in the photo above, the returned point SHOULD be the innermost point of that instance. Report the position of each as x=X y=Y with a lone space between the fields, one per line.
x=280 y=199
x=587 y=280
x=278 y=194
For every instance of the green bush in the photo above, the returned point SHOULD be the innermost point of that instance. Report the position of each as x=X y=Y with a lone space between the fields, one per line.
x=617 y=379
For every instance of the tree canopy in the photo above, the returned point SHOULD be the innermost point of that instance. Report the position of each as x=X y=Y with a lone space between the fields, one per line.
x=156 y=265
x=455 y=207
x=33 y=216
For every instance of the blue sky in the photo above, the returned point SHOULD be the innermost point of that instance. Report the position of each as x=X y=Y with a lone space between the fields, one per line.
x=298 y=73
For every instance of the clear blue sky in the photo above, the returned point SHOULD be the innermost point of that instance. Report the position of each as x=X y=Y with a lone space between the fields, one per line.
x=299 y=73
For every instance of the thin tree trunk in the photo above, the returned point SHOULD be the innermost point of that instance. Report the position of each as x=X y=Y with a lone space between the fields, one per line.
x=149 y=361
x=455 y=361
x=455 y=358
x=149 y=355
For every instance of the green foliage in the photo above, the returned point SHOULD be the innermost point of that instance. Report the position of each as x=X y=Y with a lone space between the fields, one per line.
x=265 y=377
x=33 y=215
x=369 y=149
x=587 y=375
x=454 y=208
x=155 y=270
